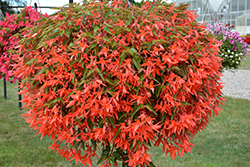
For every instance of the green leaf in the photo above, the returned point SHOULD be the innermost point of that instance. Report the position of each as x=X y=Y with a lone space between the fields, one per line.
x=93 y=143
x=91 y=125
x=136 y=109
x=100 y=124
x=199 y=93
x=93 y=45
x=137 y=64
x=100 y=74
x=70 y=94
x=78 y=121
x=53 y=101
x=107 y=150
x=155 y=33
x=54 y=36
x=151 y=76
x=114 y=44
x=88 y=34
x=106 y=39
x=137 y=144
x=32 y=61
x=117 y=156
x=107 y=30
x=41 y=71
x=163 y=117
x=109 y=81
x=129 y=86
x=82 y=82
x=123 y=56
x=133 y=50
x=158 y=90
x=111 y=120
x=67 y=32
x=47 y=71
x=54 y=89
x=65 y=42
x=117 y=132
x=112 y=158
x=123 y=115
x=83 y=145
x=128 y=21
x=173 y=136
x=185 y=103
x=152 y=164
x=95 y=29
x=103 y=158
x=85 y=71
x=150 y=108
x=90 y=74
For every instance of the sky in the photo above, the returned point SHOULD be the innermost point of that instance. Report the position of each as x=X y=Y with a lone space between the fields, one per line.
x=55 y=3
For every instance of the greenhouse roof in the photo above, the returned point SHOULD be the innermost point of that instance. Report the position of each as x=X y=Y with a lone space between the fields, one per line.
x=244 y=15
x=215 y=4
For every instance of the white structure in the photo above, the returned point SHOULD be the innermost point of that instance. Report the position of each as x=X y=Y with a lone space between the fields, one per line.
x=225 y=11
x=242 y=24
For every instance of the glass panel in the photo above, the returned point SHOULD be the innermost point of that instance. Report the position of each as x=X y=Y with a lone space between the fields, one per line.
x=233 y=16
x=194 y=6
x=248 y=4
x=234 y=5
x=220 y=17
x=242 y=5
x=233 y=22
x=248 y=21
x=237 y=14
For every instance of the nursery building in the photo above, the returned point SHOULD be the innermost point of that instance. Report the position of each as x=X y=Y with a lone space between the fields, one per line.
x=235 y=12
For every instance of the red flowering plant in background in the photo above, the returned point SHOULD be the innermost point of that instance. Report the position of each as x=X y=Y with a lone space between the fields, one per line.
x=11 y=33
x=119 y=79
x=247 y=40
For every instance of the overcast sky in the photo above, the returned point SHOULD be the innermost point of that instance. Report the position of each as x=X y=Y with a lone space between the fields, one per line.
x=55 y=3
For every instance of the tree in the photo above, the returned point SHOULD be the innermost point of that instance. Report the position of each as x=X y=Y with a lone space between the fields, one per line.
x=16 y=2
x=5 y=7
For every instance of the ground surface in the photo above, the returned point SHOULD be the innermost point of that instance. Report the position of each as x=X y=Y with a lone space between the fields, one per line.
x=237 y=82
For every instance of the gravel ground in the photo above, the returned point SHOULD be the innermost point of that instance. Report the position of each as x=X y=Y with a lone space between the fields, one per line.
x=237 y=84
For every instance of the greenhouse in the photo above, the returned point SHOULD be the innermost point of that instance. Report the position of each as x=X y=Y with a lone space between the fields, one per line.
x=225 y=11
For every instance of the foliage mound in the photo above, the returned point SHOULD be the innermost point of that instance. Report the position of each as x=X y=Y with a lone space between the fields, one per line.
x=233 y=48
x=12 y=29
x=119 y=79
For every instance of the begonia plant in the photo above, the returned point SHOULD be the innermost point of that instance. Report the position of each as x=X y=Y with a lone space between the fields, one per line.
x=119 y=79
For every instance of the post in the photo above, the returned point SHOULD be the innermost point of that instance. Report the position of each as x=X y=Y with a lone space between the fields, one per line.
x=19 y=96
x=4 y=87
x=70 y=1
x=35 y=5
